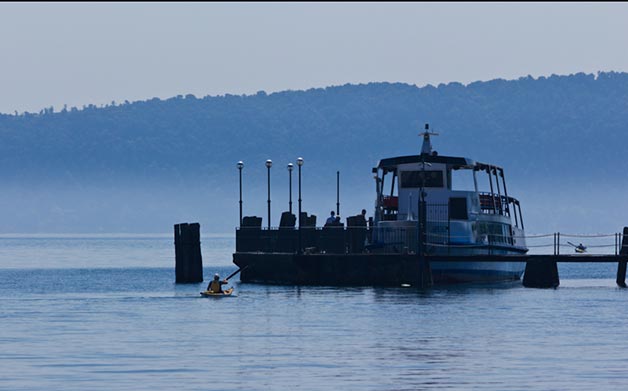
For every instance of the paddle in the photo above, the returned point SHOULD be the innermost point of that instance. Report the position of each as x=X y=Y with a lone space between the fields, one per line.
x=236 y=272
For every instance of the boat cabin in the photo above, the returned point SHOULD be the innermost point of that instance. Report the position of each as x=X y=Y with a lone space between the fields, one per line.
x=449 y=188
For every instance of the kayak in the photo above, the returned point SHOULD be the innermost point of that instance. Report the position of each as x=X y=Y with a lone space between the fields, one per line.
x=225 y=293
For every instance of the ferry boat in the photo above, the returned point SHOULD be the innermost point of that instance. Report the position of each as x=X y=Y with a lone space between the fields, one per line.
x=420 y=215
x=457 y=222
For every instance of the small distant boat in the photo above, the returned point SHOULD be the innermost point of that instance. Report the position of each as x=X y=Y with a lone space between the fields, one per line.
x=225 y=293
x=579 y=248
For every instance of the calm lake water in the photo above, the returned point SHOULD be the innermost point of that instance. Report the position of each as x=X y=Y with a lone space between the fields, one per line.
x=103 y=313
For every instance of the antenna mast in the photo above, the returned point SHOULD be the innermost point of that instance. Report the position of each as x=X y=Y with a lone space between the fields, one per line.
x=426 y=148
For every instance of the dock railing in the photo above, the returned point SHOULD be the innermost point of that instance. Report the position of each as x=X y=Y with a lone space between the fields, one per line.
x=566 y=243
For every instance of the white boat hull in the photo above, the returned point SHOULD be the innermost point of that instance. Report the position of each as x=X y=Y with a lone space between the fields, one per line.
x=476 y=271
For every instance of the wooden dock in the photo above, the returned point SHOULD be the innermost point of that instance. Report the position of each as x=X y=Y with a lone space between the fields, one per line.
x=351 y=256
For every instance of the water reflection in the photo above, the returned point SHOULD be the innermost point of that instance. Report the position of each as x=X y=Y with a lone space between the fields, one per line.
x=135 y=329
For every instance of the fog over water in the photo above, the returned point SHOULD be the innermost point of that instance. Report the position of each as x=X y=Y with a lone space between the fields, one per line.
x=133 y=119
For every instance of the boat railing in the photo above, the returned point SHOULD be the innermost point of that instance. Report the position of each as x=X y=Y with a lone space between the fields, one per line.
x=439 y=235
x=495 y=204
x=491 y=203
x=390 y=207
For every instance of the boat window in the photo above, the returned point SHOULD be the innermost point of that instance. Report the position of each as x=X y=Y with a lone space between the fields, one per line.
x=462 y=180
x=458 y=208
x=414 y=179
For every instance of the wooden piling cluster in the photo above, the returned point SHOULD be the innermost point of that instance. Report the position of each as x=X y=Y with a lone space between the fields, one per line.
x=187 y=247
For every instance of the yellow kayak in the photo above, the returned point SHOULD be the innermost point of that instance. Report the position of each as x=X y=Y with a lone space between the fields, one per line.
x=227 y=292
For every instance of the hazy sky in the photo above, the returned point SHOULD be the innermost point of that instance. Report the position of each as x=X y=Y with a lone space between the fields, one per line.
x=76 y=54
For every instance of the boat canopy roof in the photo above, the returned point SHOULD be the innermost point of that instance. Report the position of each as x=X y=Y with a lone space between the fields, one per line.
x=390 y=164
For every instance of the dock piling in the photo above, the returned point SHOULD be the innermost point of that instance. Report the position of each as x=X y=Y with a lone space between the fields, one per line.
x=541 y=273
x=187 y=248
x=621 y=265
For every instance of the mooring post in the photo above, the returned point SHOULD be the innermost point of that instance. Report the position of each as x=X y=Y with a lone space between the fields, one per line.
x=541 y=273
x=187 y=248
x=621 y=265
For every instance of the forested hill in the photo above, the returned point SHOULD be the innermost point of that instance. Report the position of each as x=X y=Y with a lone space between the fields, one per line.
x=550 y=129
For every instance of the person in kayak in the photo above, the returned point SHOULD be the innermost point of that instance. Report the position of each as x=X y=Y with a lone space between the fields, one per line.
x=216 y=285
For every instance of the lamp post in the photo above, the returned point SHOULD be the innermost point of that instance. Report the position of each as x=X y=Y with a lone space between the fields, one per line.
x=269 y=164
x=337 y=193
x=290 y=167
x=240 y=166
x=300 y=164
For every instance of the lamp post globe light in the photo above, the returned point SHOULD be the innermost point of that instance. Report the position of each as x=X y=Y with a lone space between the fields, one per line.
x=240 y=166
x=269 y=164
x=290 y=168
